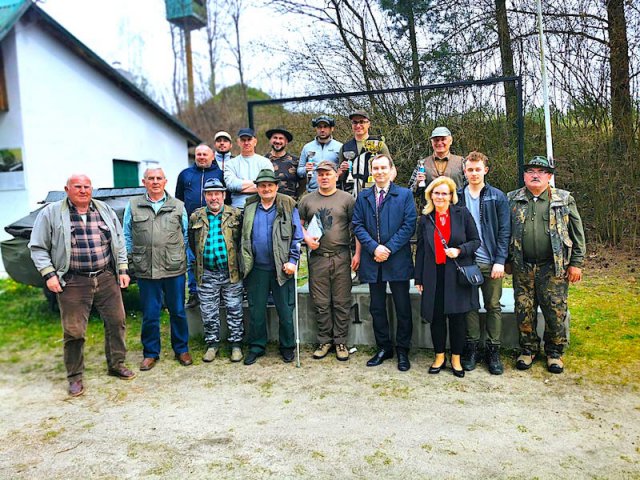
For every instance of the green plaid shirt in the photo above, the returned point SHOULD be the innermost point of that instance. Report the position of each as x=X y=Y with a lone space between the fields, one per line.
x=215 y=249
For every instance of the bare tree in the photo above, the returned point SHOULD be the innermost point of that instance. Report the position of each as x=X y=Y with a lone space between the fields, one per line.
x=215 y=33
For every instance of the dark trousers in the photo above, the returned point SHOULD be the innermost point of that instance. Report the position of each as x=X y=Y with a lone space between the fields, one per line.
x=457 y=324
x=378 y=309
x=152 y=293
x=75 y=302
x=330 y=289
x=259 y=283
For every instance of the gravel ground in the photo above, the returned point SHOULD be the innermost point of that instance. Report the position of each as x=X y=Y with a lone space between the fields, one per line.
x=323 y=420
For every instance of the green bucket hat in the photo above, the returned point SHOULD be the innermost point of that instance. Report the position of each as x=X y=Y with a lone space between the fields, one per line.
x=266 y=175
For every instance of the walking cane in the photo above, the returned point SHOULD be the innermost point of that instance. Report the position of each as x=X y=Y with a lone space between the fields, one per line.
x=297 y=324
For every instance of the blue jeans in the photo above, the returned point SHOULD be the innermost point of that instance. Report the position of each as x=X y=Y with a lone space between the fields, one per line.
x=152 y=294
x=191 y=261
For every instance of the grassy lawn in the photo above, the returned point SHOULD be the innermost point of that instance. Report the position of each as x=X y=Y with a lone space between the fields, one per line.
x=605 y=325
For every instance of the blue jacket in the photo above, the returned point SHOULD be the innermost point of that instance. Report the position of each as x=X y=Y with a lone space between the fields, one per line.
x=190 y=182
x=495 y=221
x=393 y=228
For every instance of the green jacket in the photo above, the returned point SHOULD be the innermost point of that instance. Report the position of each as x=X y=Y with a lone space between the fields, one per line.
x=565 y=229
x=282 y=234
x=231 y=230
x=158 y=239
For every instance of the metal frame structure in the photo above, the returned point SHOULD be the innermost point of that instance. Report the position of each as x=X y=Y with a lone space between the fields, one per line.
x=517 y=80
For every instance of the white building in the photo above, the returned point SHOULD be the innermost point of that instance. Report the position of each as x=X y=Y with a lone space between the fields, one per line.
x=63 y=110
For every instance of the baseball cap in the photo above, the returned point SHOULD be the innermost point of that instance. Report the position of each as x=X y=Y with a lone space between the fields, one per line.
x=222 y=133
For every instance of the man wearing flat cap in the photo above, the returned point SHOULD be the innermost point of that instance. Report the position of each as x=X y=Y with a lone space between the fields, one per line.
x=327 y=215
x=241 y=171
x=214 y=237
x=441 y=163
x=270 y=251
x=285 y=165
x=546 y=254
x=189 y=190
x=323 y=147
x=359 y=151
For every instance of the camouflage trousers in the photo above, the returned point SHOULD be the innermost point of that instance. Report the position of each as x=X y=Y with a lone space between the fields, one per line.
x=216 y=284
x=537 y=285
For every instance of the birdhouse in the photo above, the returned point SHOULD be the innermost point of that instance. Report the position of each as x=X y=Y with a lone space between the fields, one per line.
x=187 y=14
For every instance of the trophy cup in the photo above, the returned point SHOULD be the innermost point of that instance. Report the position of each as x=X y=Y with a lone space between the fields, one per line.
x=421 y=169
x=310 y=156
x=374 y=145
x=349 y=156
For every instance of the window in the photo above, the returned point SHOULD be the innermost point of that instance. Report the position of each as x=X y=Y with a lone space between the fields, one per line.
x=125 y=174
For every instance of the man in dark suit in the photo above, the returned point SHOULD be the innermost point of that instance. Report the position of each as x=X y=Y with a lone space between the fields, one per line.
x=384 y=220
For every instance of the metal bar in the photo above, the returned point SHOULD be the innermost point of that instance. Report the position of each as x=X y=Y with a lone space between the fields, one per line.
x=330 y=96
x=250 y=114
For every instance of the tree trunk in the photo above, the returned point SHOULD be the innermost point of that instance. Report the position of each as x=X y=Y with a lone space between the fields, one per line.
x=621 y=111
x=506 y=58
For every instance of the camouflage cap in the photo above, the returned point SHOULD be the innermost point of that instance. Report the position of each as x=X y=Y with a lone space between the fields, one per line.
x=539 y=162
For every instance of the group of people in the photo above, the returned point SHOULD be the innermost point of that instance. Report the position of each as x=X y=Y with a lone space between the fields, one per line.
x=236 y=226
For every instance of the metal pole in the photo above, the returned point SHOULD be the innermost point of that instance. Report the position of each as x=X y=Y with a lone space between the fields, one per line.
x=520 y=132
x=545 y=88
x=297 y=318
x=187 y=48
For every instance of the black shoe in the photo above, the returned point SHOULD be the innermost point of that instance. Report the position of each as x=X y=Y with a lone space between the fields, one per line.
x=287 y=355
x=433 y=370
x=251 y=357
x=492 y=358
x=403 y=361
x=469 y=356
x=379 y=357
x=458 y=373
x=193 y=301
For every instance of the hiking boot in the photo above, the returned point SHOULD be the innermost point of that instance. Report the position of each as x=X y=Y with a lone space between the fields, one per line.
x=469 y=356
x=193 y=301
x=342 y=353
x=525 y=360
x=555 y=363
x=492 y=359
x=236 y=354
x=210 y=354
x=323 y=350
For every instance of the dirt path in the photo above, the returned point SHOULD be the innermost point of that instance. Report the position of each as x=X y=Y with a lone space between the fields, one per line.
x=325 y=419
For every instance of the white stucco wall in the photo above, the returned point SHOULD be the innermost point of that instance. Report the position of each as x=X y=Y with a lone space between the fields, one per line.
x=76 y=120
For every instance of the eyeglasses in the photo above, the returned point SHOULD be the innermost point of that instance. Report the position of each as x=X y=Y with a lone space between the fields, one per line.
x=359 y=122
x=440 y=194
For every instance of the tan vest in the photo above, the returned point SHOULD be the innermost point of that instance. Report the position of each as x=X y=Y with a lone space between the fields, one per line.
x=158 y=240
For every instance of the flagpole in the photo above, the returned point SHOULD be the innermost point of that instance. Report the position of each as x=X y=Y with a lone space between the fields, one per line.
x=545 y=90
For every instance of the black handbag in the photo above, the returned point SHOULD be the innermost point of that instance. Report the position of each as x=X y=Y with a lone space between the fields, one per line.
x=468 y=275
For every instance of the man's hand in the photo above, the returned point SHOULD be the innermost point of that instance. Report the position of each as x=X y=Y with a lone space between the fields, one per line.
x=312 y=242
x=355 y=262
x=574 y=274
x=344 y=166
x=420 y=177
x=53 y=284
x=289 y=268
x=497 y=271
x=309 y=166
x=381 y=254
x=420 y=288
x=124 y=279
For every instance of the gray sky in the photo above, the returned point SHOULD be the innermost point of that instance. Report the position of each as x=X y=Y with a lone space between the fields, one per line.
x=136 y=34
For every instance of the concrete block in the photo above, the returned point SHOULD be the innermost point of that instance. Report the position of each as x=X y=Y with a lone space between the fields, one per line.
x=361 y=327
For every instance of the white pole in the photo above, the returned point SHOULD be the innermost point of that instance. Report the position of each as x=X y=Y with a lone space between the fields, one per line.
x=545 y=90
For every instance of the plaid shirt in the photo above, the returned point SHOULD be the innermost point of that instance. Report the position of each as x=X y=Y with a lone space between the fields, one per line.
x=215 y=248
x=90 y=241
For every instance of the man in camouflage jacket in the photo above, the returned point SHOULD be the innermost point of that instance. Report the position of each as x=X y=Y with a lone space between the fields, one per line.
x=546 y=253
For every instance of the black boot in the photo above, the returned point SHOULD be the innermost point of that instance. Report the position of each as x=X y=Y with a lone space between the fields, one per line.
x=469 y=356
x=492 y=357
